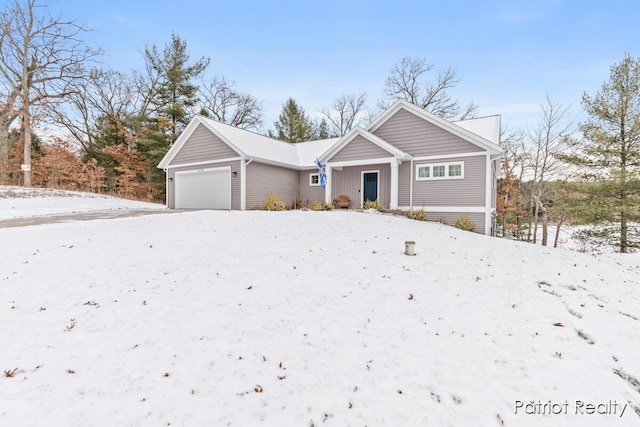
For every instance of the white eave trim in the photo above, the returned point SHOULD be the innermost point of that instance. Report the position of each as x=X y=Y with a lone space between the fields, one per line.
x=369 y=137
x=205 y=162
x=184 y=137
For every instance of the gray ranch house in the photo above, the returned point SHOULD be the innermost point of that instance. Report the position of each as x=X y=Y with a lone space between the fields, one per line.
x=407 y=158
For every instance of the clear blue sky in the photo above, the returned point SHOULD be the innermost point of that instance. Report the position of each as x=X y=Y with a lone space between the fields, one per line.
x=509 y=54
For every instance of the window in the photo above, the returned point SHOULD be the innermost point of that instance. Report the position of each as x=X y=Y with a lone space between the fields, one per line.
x=423 y=171
x=314 y=179
x=438 y=171
x=453 y=170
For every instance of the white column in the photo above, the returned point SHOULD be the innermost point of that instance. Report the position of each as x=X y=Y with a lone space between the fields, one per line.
x=327 y=189
x=393 y=203
x=487 y=195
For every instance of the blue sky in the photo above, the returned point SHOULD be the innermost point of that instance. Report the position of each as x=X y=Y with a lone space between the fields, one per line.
x=509 y=54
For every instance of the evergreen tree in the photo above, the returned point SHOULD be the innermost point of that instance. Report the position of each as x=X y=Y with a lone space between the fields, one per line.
x=322 y=130
x=610 y=154
x=176 y=94
x=293 y=124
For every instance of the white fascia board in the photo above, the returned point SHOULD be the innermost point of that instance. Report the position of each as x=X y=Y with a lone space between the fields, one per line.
x=177 y=145
x=363 y=162
x=205 y=162
x=279 y=164
x=184 y=137
x=433 y=119
x=369 y=137
x=451 y=156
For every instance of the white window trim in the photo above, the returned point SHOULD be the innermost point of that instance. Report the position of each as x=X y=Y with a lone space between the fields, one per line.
x=436 y=178
x=311 y=184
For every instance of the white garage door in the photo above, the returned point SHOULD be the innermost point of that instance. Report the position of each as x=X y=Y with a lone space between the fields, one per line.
x=204 y=189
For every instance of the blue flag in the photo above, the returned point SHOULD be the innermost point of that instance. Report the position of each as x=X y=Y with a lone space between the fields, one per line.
x=323 y=175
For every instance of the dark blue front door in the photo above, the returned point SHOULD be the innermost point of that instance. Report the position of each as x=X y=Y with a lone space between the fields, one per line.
x=370 y=186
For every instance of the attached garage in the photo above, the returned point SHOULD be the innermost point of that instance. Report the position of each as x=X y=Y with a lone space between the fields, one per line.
x=203 y=189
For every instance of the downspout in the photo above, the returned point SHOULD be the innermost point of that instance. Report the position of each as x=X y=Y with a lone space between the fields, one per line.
x=411 y=186
x=243 y=183
x=166 y=186
x=487 y=194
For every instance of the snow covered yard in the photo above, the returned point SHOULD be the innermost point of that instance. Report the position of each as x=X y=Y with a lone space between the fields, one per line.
x=310 y=318
x=20 y=202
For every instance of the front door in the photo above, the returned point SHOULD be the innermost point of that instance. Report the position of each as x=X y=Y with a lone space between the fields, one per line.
x=369 y=186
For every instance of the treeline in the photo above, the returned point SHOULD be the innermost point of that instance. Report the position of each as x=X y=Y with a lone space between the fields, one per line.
x=103 y=130
x=586 y=174
x=117 y=126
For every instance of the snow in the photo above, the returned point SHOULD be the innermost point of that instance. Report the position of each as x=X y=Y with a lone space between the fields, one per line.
x=20 y=202
x=307 y=318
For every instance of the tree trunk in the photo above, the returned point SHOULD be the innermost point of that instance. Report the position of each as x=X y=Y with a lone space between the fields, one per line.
x=535 y=222
x=4 y=153
x=26 y=113
x=623 y=229
x=26 y=122
x=545 y=224
x=557 y=237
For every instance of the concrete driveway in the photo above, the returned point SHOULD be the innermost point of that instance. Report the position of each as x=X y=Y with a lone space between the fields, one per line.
x=79 y=216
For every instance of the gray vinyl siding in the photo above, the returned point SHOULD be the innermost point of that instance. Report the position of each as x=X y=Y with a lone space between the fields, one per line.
x=348 y=182
x=418 y=137
x=359 y=148
x=404 y=184
x=309 y=194
x=494 y=183
x=263 y=180
x=203 y=145
x=469 y=191
x=235 y=181
x=451 y=217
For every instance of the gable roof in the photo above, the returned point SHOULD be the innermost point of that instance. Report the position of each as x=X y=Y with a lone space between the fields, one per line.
x=352 y=134
x=487 y=127
x=453 y=127
x=250 y=144
x=483 y=132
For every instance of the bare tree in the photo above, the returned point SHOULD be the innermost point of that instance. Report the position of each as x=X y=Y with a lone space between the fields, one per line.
x=104 y=93
x=346 y=112
x=409 y=81
x=221 y=100
x=546 y=141
x=39 y=55
x=512 y=170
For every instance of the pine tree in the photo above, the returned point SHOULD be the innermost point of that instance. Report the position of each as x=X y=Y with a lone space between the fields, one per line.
x=293 y=124
x=176 y=94
x=610 y=154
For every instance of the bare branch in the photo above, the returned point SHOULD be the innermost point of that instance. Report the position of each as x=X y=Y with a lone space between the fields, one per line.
x=408 y=81
x=347 y=112
x=223 y=102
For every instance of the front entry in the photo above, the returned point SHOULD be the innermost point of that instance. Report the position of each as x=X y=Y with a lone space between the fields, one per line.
x=369 y=186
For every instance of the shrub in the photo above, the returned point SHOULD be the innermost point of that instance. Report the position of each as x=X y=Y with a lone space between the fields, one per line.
x=465 y=223
x=275 y=203
x=417 y=214
x=373 y=205
x=320 y=206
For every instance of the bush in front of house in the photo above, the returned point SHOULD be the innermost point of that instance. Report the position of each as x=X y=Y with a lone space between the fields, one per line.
x=275 y=203
x=465 y=223
x=417 y=214
x=320 y=206
x=373 y=205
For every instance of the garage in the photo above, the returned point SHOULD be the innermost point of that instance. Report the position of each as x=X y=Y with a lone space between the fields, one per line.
x=203 y=189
